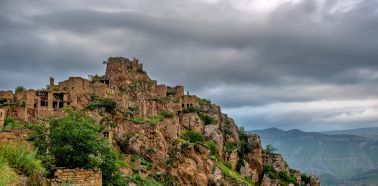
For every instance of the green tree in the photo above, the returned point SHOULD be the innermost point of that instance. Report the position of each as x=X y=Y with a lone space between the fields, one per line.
x=270 y=149
x=75 y=143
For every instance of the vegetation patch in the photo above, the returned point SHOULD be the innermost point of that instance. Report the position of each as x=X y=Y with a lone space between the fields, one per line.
x=235 y=176
x=207 y=119
x=108 y=104
x=138 y=120
x=22 y=160
x=139 y=180
x=189 y=110
x=192 y=136
x=213 y=147
x=167 y=114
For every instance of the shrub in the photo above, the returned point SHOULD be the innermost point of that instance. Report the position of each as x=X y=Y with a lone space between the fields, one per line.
x=138 y=120
x=189 y=110
x=234 y=175
x=305 y=178
x=229 y=147
x=139 y=180
x=207 y=120
x=108 y=104
x=270 y=171
x=193 y=137
x=167 y=114
x=269 y=149
x=154 y=120
x=203 y=101
x=20 y=89
x=75 y=142
x=212 y=147
x=146 y=163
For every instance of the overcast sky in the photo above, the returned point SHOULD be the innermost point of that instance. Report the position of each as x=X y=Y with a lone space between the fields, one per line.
x=306 y=64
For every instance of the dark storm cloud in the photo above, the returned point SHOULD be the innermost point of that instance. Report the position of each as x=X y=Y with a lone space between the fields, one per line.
x=225 y=50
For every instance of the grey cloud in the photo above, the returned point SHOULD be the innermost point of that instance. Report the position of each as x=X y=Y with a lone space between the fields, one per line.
x=253 y=60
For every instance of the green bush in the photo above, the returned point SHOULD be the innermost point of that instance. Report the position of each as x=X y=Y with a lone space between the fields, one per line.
x=189 y=110
x=239 y=179
x=20 y=89
x=167 y=114
x=207 y=120
x=229 y=147
x=75 y=142
x=146 y=163
x=203 y=101
x=212 y=146
x=193 y=137
x=270 y=171
x=154 y=120
x=108 y=104
x=138 y=120
x=305 y=178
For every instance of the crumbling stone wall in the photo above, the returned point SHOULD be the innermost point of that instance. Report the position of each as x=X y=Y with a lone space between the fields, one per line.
x=77 y=177
x=13 y=135
x=2 y=118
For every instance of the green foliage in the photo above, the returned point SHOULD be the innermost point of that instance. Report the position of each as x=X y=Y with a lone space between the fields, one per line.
x=305 y=178
x=270 y=171
x=212 y=146
x=20 y=89
x=8 y=175
x=75 y=143
x=164 y=178
x=73 y=139
x=10 y=123
x=167 y=114
x=193 y=137
x=94 y=78
x=22 y=160
x=269 y=149
x=146 y=163
x=285 y=179
x=229 y=147
x=154 y=120
x=235 y=176
x=108 y=104
x=203 y=101
x=189 y=110
x=138 y=120
x=139 y=180
x=207 y=120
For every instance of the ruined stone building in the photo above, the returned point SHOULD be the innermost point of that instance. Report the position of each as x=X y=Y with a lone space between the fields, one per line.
x=124 y=81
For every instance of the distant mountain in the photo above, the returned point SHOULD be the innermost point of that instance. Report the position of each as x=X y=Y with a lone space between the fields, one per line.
x=337 y=157
x=371 y=132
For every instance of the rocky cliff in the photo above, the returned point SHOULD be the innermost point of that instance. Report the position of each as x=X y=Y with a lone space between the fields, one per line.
x=162 y=134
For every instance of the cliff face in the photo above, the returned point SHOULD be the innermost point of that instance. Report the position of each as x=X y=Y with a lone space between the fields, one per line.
x=163 y=134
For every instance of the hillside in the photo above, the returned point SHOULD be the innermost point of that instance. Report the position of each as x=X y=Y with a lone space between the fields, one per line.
x=332 y=157
x=371 y=132
x=161 y=135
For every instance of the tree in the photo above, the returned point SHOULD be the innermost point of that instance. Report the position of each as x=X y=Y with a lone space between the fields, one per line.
x=270 y=149
x=20 y=89
x=75 y=142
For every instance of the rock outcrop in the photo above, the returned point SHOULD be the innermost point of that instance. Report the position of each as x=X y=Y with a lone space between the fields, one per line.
x=163 y=134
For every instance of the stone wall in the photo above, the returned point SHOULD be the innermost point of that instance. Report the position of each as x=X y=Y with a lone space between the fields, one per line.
x=13 y=135
x=2 y=117
x=77 y=177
